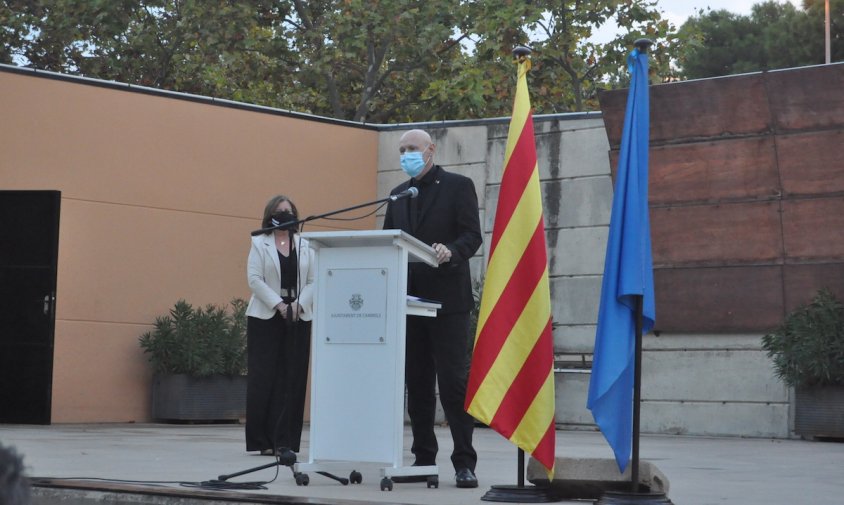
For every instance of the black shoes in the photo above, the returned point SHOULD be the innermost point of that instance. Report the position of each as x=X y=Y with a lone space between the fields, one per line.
x=465 y=478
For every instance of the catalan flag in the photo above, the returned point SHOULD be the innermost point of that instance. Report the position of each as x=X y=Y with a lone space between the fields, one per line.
x=511 y=382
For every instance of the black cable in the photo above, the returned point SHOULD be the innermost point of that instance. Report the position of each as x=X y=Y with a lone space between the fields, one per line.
x=357 y=217
x=223 y=485
x=217 y=484
x=208 y=484
x=126 y=481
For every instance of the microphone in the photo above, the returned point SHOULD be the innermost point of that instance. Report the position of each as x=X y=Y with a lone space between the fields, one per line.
x=289 y=225
x=410 y=192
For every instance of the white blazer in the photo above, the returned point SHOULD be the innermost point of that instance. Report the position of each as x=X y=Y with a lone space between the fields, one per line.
x=263 y=273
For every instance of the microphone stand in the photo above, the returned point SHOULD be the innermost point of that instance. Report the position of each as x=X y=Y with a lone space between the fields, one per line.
x=297 y=224
x=302 y=479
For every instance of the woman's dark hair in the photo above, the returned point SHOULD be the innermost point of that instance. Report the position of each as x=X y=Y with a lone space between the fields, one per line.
x=269 y=210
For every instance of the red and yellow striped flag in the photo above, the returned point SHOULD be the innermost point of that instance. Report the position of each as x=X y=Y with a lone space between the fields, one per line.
x=511 y=383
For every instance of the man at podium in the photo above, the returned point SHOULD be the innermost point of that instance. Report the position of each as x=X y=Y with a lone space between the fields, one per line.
x=444 y=215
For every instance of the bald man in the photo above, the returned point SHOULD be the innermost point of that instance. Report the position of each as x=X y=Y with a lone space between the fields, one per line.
x=444 y=216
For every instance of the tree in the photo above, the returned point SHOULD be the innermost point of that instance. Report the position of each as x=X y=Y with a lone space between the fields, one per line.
x=590 y=66
x=816 y=12
x=215 y=48
x=568 y=68
x=362 y=60
x=372 y=60
x=775 y=35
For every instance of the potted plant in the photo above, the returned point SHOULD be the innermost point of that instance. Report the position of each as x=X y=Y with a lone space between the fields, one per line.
x=199 y=360
x=808 y=355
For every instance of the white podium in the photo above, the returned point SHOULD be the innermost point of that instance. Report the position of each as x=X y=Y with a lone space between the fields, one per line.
x=358 y=352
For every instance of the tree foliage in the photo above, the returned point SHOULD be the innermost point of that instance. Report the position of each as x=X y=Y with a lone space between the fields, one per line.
x=198 y=341
x=568 y=67
x=362 y=60
x=774 y=35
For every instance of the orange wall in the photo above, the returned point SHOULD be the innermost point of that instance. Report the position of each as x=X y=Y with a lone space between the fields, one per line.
x=158 y=198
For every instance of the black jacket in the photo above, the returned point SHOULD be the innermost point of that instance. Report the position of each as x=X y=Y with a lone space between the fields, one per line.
x=448 y=214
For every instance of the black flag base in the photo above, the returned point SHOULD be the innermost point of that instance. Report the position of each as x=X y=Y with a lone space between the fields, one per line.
x=521 y=494
x=632 y=498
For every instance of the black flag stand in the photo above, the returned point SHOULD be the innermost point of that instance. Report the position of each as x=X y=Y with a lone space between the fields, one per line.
x=521 y=493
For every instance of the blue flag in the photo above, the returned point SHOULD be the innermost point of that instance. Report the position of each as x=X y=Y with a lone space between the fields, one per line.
x=628 y=272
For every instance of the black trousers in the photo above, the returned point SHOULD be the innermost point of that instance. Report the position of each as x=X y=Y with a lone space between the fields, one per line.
x=277 y=357
x=437 y=350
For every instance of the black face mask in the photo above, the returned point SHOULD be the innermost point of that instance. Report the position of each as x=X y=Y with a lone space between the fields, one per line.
x=284 y=216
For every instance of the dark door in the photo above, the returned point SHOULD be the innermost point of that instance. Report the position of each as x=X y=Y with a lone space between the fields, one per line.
x=29 y=238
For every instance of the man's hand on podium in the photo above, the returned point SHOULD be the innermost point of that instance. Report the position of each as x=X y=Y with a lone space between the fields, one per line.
x=443 y=253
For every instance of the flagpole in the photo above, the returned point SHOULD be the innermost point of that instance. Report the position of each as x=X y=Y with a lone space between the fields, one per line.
x=828 y=52
x=521 y=493
x=637 y=494
x=637 y=396
x=642 y=45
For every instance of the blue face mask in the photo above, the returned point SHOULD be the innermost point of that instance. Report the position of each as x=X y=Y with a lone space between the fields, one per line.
x=412 y=163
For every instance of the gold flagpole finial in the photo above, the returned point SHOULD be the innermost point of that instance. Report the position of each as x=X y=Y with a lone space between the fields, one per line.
x=521 y=54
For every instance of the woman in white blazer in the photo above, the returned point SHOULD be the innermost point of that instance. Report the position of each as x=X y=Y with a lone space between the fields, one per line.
x=281 y=278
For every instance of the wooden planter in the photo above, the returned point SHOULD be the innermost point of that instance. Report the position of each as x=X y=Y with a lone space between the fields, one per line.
x=819 y=412
x=186 y=398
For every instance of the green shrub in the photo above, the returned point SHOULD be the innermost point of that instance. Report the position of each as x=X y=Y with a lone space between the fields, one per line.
x=198 y=341
x=808 y=349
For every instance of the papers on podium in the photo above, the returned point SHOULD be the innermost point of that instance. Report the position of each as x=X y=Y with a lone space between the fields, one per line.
x=418 y=306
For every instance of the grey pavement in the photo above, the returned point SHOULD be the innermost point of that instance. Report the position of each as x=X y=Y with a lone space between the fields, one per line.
x=701 y=470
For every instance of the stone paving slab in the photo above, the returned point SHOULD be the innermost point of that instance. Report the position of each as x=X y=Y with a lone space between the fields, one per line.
x=701 y=470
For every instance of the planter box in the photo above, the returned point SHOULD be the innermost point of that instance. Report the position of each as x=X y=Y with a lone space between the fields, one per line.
x=819 y=412
x=186 y=398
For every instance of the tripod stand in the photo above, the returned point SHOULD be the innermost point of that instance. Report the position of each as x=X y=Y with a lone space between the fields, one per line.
x=278 y=363
x=289 y=460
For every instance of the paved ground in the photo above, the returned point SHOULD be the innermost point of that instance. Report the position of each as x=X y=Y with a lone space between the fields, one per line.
x=701 y=471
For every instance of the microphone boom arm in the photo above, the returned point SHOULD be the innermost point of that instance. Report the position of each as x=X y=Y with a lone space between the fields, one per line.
x=297 y=223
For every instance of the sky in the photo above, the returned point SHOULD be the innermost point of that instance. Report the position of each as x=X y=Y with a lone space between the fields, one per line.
x=677 y=11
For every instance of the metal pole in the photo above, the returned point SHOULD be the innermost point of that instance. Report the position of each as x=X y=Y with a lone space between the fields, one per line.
x=521 y=468
x=826 y=33
x=642 y=45
x=637 y=394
